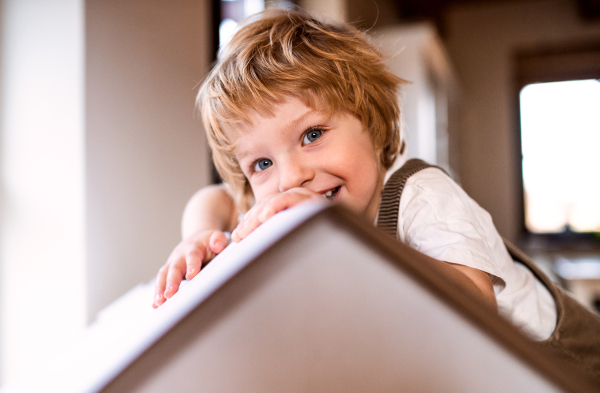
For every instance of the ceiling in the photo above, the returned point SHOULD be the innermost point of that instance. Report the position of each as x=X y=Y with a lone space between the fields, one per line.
x=435 y=9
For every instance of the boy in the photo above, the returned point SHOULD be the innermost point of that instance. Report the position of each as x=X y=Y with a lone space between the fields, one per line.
x=313 y=134
x=297 y=109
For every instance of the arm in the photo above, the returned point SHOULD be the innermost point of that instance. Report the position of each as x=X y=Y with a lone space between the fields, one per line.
x=208 y=214
x=440 y=220
x=477 y=281
x=473 y=281
x=212 y=207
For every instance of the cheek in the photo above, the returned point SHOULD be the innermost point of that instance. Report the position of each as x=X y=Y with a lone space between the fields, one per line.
x=264 y=189
x=258 y=191
x=363 y=160
x=365 y=171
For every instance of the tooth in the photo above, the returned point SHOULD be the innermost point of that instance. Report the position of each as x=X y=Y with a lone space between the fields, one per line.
x=328 y=193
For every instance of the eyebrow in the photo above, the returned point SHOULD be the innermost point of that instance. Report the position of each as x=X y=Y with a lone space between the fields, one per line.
x=287 y=128
x=294 y=123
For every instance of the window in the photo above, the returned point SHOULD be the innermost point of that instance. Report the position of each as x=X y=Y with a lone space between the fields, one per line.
x=560 y=138
x=232 y=13
x=558 y=96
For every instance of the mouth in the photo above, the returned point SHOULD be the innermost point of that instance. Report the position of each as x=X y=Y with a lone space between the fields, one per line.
x=330 y=194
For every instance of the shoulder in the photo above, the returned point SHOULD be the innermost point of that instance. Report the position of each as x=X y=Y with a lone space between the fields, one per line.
x=433 y=188
x=438 y=218
x=211 y=207
x=433 y=181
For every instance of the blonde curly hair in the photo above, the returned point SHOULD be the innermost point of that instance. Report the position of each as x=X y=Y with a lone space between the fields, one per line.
x=278 y=53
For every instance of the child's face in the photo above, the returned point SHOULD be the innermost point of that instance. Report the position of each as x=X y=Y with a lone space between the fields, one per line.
x=303 y=147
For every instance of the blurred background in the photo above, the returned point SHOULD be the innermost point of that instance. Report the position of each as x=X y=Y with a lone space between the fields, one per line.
x=100 y=146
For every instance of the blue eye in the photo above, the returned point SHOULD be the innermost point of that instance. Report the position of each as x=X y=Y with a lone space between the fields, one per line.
x=311 y=136
x=262 y=164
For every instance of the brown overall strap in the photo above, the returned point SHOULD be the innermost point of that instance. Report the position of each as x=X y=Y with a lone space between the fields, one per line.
x=387 y=219
x=576 y=338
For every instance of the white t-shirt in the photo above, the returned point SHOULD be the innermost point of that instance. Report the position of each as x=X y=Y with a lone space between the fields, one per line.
x=439 y=219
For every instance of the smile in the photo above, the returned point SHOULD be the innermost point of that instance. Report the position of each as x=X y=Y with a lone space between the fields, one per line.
x=332 y=193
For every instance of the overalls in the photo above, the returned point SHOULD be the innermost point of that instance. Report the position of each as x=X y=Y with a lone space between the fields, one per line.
x=576 y=337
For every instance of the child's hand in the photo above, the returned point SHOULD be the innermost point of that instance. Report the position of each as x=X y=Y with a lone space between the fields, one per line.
x=269 y=206
x=186 y=260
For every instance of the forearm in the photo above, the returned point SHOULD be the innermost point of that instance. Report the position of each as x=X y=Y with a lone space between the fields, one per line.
x=213 y=207
x=477 y=281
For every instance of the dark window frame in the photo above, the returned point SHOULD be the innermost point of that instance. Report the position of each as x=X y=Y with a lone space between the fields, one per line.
x=552 y=64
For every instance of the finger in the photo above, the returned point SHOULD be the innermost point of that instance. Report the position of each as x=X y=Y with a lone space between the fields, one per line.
x=235 y=234
x=276 y=204
x=268 y=208
x=245 y=227
x=251 y=220
x=284 y=201
x=194 y=259
x=218 y=242
x=259 y=214
x=175 y=275
x=159 y=287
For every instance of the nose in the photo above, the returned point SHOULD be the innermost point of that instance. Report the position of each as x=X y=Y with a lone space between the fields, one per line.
x=294 y=172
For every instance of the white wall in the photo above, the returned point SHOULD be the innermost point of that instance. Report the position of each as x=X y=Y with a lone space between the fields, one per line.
x=42 y=181
x=415 y=53
x=481 y=41
x=146 y=153
x=100 y=151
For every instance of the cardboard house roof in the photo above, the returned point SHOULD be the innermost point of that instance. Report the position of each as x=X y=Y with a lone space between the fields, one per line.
x=314 y=300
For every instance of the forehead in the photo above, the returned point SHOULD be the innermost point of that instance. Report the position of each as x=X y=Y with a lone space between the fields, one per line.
x=290 y=109
x=288 y=113
x=283 y=118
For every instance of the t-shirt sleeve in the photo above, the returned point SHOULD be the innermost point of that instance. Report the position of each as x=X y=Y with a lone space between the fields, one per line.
x=438 y=219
